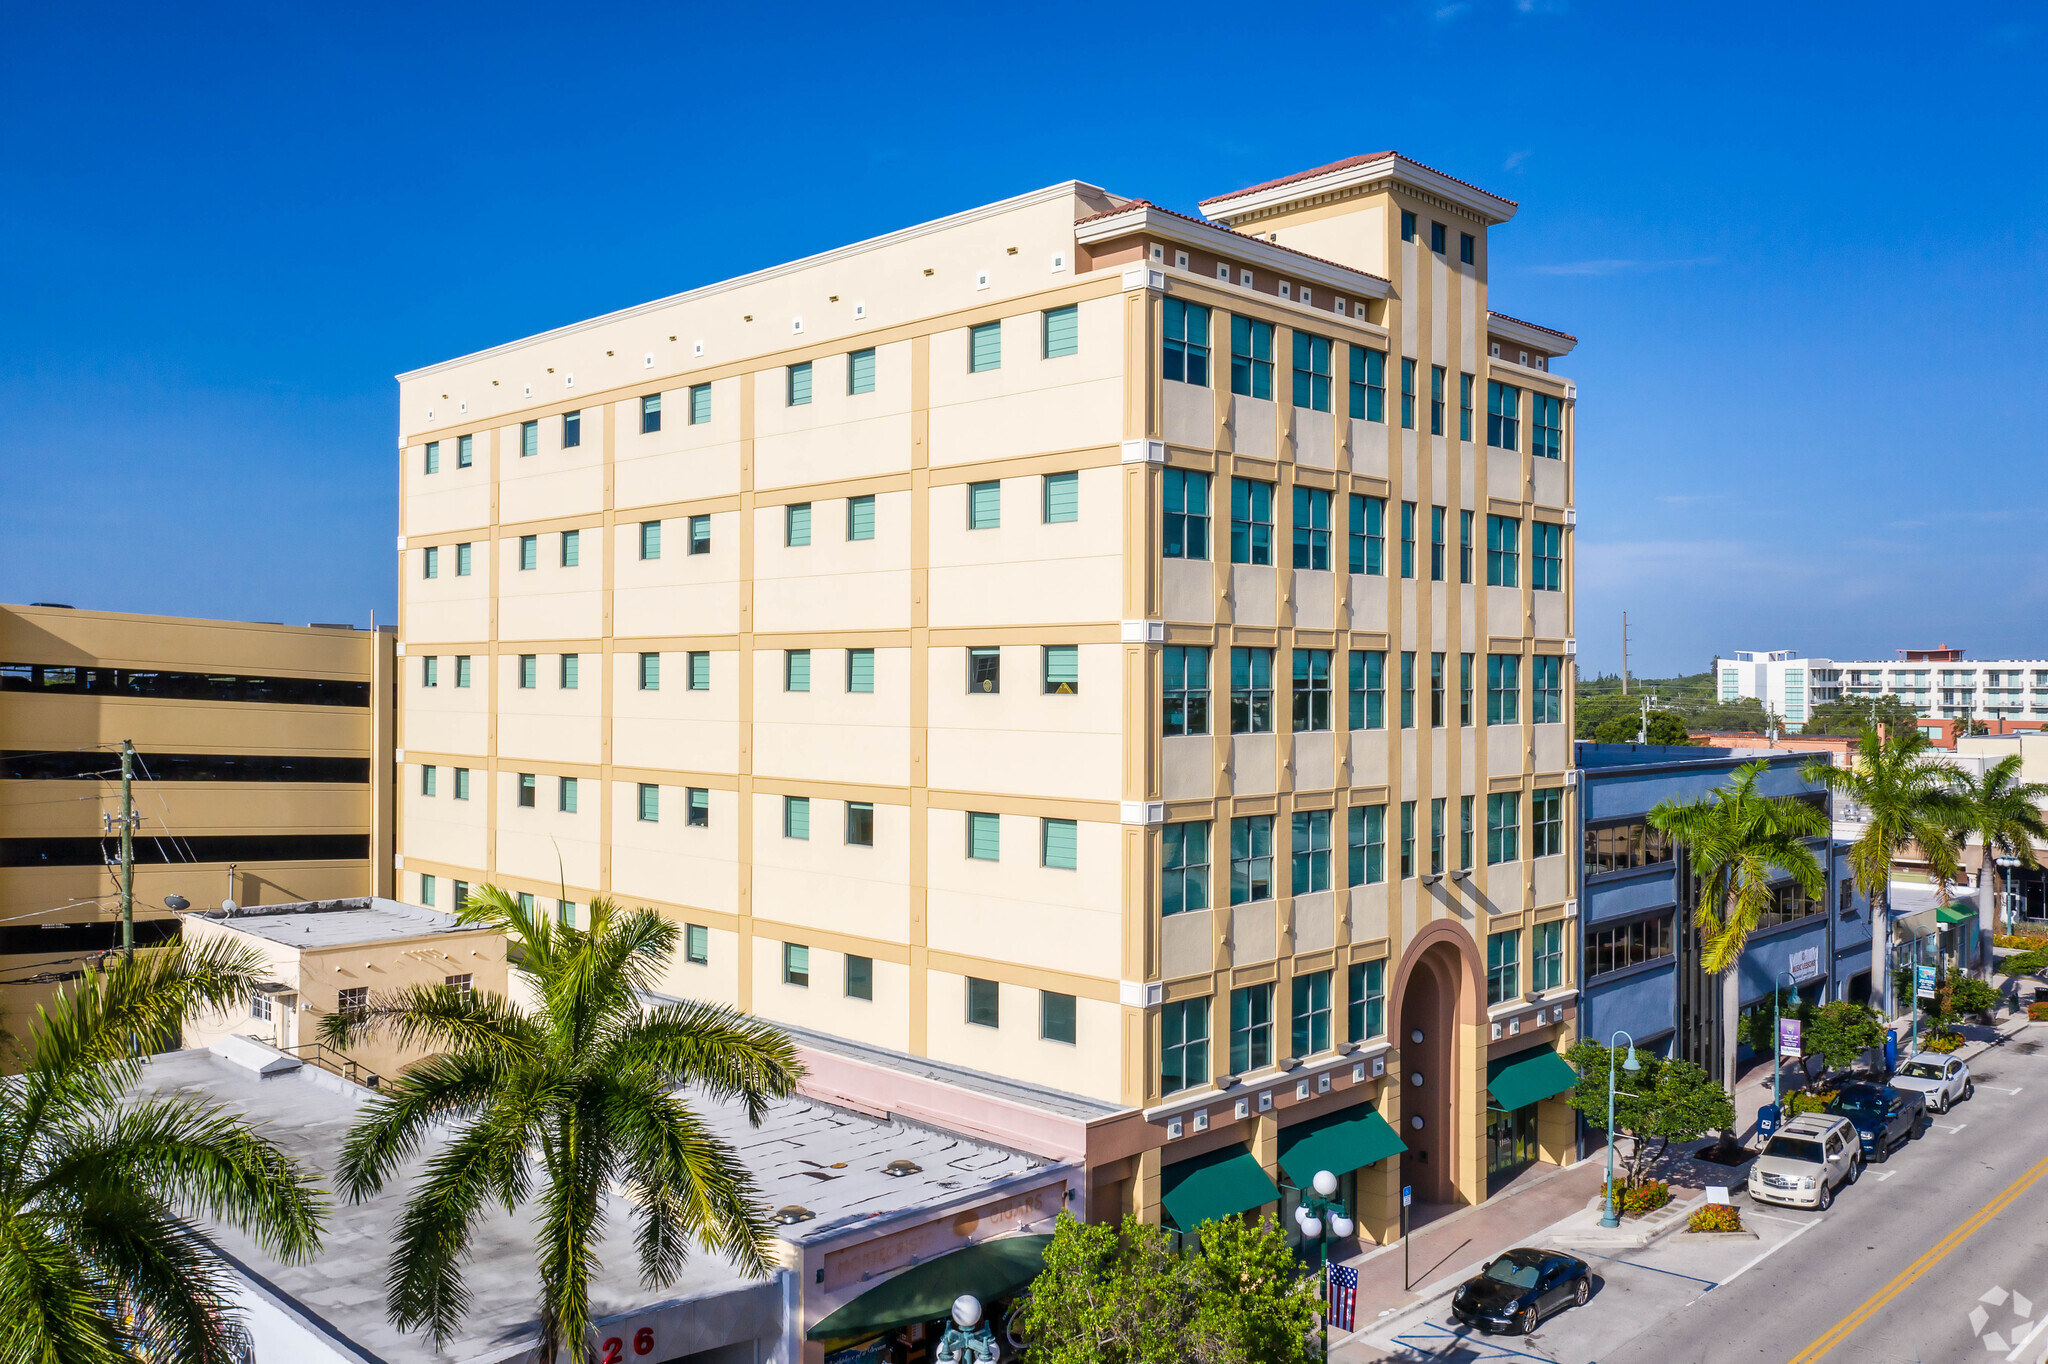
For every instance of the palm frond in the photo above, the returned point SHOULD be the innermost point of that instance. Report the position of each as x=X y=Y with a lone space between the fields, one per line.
x=729 y=1054
x=396 y=1125
x=50 y=1312
x=438 y=1018
x=689 y=1185
x=178 y=1293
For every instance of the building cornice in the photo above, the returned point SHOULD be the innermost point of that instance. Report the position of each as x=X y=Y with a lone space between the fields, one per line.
x=1392 y=167
x=1184 y=231
x=1529 y=334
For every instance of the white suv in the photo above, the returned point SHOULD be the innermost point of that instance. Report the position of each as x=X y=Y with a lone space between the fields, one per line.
x=1805 y=1160
x=1945 y=1080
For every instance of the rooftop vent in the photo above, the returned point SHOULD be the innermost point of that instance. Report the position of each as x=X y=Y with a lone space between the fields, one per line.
x=899 y=1169
x=792 y=1213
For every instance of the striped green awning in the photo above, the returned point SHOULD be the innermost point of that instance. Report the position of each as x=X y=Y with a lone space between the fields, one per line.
x=1959 y=912
x=1209 y=1188
x=1348 y=1140
x=1523 y=1079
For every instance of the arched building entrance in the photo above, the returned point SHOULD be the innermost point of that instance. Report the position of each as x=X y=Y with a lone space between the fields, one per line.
x=1438 y=994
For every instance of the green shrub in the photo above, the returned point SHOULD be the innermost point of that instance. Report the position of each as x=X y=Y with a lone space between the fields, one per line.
x=1809 y=1101
x=1715 y=1217
x=1941 y=1041
x=1635 y=1199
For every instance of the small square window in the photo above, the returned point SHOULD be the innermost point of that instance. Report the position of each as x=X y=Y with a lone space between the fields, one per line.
x=796 y=965
x=433 y=457
x=650 y=802
x=860 y=517
x=430 y=671
x=860 y=824
x=698 y=802
x=1436 y=237
x=984 y=836
x=1244 y=277
x=572 y=430
x=529 y=439
x=650 y=414
x=860 y=670
x=430 y=562
x=650 y=672
x=984 y=505
x=1058 y=840
x=1465 y=245
x=1062 y=498
x=698 y=662
x=984 y=1003
x=428 y=785
x=527 y=782
x=529 y=553
x=1063 y=331
x=985 y=669
x=572 y=548
x=860 y=371
x=1407 y=226
x=529 y=671
x=796 y=817
x=1062 y=669
x=700 y=534
x=700 y=404
x=462 y=783
x=1056 y=1017
x=465 y=451
x=796 y=670
x=650 y=539
x=696 y=944
x=797 y=524
x=985 y=347
x=566 y=796
x=571 y=666
x=800 y=384
x=465 y=560
x=860 y=977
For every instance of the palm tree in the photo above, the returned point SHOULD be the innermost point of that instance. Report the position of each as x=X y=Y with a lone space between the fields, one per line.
x=2005 y=815
x=557 y=1102
x=1741 y=843
x=1906 y=800
x=99 y=1257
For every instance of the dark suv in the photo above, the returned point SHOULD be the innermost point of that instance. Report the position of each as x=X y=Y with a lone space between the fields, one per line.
x=1883 y=1117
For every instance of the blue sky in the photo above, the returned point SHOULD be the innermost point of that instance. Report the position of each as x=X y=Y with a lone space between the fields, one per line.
x=1802 y=245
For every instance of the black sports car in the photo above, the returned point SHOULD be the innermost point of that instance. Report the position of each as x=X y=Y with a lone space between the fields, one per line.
x=1519 y=1289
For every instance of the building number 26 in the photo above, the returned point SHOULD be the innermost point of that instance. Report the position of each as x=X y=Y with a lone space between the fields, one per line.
x=615 y=1349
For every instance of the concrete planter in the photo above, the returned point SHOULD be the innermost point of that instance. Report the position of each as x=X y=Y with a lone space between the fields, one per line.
x=1718 y=1236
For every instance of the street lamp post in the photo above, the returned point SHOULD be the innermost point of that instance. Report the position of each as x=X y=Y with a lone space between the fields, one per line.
x=1320 y=1217
x=1777 y=1051
x=1631 y=1065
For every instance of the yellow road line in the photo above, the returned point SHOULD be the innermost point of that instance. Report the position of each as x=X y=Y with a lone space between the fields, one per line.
x=1907 y=1276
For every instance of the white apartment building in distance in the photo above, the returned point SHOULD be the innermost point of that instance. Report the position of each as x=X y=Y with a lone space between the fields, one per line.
x=1119 y=655
x=1938 y=683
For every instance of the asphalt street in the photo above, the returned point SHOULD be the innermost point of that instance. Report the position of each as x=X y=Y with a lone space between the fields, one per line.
x=1939 y=1254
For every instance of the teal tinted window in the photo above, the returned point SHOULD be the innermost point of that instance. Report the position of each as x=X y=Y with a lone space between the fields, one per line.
x=797 y=524
x=1063 y=668
x=985 y=347
x=860 y=517
x=860 y=670
x=796 y=670
x=700 y=404
x=800 y=384
x=1062 y=497
x=1062 y=331
x=984 y=505
x=1061 y=843
x=650 y=802
x=860 y=371
x=796 y=816
x=650 y=539
x=984 y=836
x=650 y=672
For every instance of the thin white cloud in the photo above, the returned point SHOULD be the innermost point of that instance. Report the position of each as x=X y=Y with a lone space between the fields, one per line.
x=1445 y=13
x=1620 y=267
x=1515 y=160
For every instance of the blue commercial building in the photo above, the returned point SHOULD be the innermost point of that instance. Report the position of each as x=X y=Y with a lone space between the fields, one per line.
x=1639 y=952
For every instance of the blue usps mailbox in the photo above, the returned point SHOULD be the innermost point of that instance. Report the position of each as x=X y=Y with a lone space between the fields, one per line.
x=1891 y=1048
x=1766 y=1121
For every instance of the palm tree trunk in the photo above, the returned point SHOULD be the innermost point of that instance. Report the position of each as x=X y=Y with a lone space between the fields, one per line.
x=1731 y=1018
x=1881 y=952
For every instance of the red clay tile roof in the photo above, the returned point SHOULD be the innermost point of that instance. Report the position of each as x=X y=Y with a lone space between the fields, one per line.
x=1219 y=227
x=1493 y=312
x=1346 y=164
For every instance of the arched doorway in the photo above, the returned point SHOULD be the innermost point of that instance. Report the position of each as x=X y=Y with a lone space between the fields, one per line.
x=1435 y=997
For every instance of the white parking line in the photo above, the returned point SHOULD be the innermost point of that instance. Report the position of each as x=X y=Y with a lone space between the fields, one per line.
x=1886 y=1175
x=2028 y=1339
x=2002 y=1089
x=1946 y=1128
x=1759 y=1259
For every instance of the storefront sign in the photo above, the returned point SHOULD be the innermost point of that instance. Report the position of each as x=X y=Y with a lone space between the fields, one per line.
x=1805 y=965
x=1788 y=1037
x=1032 y=1211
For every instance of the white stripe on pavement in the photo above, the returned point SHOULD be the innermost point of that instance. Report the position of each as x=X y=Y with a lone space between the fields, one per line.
x=2028 y=1339
x=1759 y=1259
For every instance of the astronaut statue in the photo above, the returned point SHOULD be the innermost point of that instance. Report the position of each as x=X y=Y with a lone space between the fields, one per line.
x=968 y=1340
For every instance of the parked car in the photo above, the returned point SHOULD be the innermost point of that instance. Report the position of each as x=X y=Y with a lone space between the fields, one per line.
x=1886 y=1117
x=1518 y=1289
x=1806 y=1161
x=1944 y=1081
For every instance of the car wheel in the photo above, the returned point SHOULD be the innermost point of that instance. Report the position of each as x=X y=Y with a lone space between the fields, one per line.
x=1583 y=1293
x=1940 y=1105
x=1919 y=1127
x=1882 y=1150
x=1969 y=1088
x=1827 y=1196
x=1529 y=1321
x=1855 y=1170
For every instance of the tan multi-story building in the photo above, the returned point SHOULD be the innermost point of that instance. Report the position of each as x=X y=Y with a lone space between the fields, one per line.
x=262 y=775
x=1117 y=651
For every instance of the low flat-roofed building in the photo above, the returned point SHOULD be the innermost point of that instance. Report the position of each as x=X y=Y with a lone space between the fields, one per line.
x=862 y=1204
x=327 y=956
x=262 y=772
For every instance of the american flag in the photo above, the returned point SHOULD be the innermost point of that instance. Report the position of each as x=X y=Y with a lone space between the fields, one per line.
x=1343 y=1297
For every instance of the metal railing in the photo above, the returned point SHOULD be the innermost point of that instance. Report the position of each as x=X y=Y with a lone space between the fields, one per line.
x=338 y=1063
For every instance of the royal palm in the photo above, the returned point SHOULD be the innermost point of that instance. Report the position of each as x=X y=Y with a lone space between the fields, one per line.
x=2005 y=815
x=99 y=1257
x=1906 y=800
x=555 y=1103
x=1741 y=844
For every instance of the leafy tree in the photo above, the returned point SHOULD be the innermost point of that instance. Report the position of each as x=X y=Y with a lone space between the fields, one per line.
x=1665 y=1101
x=1666 y=727
x=1840 y=1031
x=1905 y=800
x=1757 y=1030
x=2005 y=815
x=559 y=1103
x=1111 y=1295
x=99 y=1257
x=1853 y=715
x=1741 y=843
x=1256 y=1305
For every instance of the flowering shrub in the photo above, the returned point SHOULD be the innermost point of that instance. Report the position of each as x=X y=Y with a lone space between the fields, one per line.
x=2032 y=937
x=1648 y=1196
x=1809 y=1101
x=2038 y=1012
x=1715 y=1217
x=1941 y=1041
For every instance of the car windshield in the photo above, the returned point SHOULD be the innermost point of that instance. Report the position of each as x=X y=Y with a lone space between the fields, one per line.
x=1794 y=1148
x=1920 y=1070
x=1861 y=1103
x=1507 y=1271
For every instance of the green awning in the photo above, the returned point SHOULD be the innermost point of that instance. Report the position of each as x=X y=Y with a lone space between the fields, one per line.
x=1347 y=1140
x=925 y=1292
x=1960 y=912
x=1221 y=1184
x=1523 y=1079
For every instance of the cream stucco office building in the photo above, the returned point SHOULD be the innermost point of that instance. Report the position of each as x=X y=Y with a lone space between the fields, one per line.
x=1070 y=640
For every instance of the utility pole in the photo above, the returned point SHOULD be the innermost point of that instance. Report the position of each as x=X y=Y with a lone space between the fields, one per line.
x=127 y=849
x=1624 y=653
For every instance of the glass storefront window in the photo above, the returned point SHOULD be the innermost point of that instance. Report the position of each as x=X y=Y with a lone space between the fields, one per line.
x=1510 y=1140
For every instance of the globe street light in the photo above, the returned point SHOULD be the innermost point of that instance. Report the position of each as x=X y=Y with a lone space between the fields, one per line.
x=1631 y=1065
x=1320 y=1217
